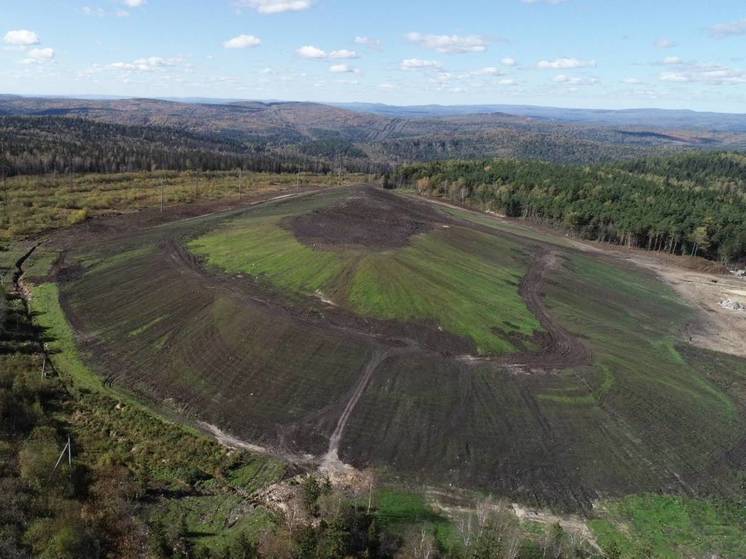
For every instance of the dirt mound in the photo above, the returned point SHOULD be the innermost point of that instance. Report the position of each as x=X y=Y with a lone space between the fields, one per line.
x=373 y=219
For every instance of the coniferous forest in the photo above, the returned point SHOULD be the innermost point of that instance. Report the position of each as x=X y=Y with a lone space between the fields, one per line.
x=692 y=204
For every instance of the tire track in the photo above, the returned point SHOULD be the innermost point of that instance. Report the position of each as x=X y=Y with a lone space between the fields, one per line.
x=331 y=461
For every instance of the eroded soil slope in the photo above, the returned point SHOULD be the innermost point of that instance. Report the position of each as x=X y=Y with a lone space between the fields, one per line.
x=601 y=399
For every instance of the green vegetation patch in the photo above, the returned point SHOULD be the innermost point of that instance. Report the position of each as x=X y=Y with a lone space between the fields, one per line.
x=467 y=292
x=61 y=339
x=464 y=281
x=263 y=249
x=669 y=527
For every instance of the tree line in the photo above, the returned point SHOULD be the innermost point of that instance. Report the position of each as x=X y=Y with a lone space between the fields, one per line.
x=691 y=204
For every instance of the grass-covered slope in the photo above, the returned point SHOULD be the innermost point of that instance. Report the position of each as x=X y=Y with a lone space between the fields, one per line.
x=465 y=281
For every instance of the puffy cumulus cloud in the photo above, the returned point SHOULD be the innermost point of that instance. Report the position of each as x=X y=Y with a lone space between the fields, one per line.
x=664 y=43
x=21 y=38
x=508 y=61
x=707 y=74
x=275 y=6
x=369 y=42
x=419 y=64
x=134 y=3
x=723 y=30
x=148 y=64
x=574 y=80
x=565 y=64
x=450 y=44
x=39 y=56
x=312 y=52
x=343 y=69
x=672 y=61
x=242 y=42
x=309 y=51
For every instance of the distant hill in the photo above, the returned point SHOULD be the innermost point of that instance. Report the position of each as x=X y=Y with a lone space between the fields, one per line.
x=653 y=118
x=376 y=136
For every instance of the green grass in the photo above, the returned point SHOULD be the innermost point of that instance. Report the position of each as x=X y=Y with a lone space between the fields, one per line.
x=50 y=316
x=464 y=281
x=399 y=510
x=670 y=527
x=265 y=250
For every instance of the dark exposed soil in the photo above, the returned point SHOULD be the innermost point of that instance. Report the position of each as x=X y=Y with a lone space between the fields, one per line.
x=373 y=219
x=559 y=348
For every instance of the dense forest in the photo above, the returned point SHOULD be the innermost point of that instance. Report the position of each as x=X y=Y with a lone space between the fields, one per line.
x=43 y=145
x=692 y=204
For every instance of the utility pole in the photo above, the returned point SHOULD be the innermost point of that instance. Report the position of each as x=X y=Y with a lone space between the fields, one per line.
x=69 y=449
x=161 y=195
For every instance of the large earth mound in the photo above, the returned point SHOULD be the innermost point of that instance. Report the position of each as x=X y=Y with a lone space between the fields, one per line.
x=371 y=219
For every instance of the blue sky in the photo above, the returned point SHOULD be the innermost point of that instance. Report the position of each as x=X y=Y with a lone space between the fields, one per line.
x=570 y=53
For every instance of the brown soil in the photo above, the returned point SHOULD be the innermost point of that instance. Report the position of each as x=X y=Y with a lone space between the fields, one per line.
x=373 y=218
x=559 y=348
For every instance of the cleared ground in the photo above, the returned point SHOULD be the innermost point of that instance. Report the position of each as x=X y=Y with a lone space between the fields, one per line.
x=453 y=350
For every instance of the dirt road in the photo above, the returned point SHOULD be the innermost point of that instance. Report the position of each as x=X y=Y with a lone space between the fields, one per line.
x=331 y=461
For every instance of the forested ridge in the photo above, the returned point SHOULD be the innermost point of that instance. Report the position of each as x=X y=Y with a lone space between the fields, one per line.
x=42 y=145
x=693 y=204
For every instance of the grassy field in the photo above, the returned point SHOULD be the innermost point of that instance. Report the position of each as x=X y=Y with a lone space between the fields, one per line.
x=464 y=281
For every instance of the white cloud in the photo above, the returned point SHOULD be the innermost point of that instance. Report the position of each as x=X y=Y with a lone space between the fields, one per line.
x=450 y=44
x=418 y=64
x=508 y=61
x=309 y=51
x=369 y=42
x=574 y=80
x=99 y=12
x=631 y=81
x=664 y=43
x=723 y=30
x=565 y=64
x=387 y=86
x=275 y=6
x=21 y=38
x=242 y=42
x=488 y=71
x=673 y=77
x=134 y=3
x=507 y=81
x=708 y=74
x=343 y=69
x=147 y=64
x=39 y=56
x=343 y=54
x=672 y=61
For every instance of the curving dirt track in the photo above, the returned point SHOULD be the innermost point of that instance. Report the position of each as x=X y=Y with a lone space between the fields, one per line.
x=559 y=348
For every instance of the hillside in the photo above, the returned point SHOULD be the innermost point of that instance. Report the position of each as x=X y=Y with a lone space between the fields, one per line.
x=358 y=138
